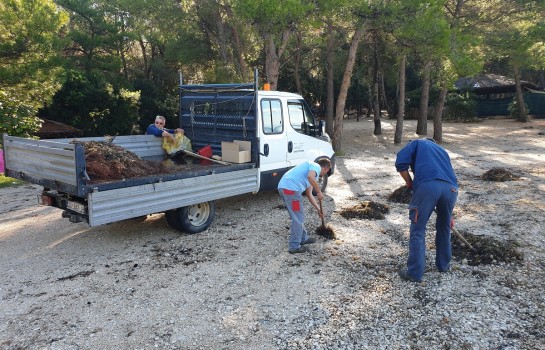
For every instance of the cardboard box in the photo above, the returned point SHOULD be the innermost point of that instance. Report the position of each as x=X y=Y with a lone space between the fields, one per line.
x=236 y=151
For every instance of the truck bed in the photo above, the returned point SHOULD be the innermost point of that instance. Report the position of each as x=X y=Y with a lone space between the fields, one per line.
x=59 y=164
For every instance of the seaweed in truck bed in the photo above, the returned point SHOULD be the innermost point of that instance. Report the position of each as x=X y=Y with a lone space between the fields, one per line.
x=108 y=162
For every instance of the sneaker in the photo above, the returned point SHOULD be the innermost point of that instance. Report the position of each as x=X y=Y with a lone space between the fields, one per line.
x=309 y=241
x=404 y=274
x=301 y=249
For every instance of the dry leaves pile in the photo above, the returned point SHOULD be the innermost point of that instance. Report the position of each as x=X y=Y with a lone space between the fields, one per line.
x=366 y=210
x=108 y=162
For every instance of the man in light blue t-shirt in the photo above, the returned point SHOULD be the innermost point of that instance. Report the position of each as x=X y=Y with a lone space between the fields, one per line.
x=302 y=178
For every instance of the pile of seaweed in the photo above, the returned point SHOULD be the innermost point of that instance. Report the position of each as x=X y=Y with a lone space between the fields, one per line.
x=487 y=250
x=401 y=195
x=365 y=210
x=499 y=174
x=108 y=162
x=326 y=231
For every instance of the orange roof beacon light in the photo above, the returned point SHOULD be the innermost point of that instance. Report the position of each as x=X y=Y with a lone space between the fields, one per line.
x=267 y=87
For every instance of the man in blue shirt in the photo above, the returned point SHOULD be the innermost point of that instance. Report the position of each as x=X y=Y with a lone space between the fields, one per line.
x=434 y=187
x=302 y=178
x=158 y=128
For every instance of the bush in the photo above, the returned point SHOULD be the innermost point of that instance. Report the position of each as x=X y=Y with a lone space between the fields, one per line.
x=459 y=108
x=514 y=111
x=93 y=105
x=17 y=118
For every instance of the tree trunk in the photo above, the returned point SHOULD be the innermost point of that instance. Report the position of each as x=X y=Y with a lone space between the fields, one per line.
x=422 y=125
x=376 y=108
x=272 y=57
x=438 y=117
x=330 y=91
x=376 y=95
x=298 y=64
x=222 y=41
x=383 y=95
x=122 y=50
x=336 y=138
x=401 y=100
x=522 y=115
x=242 y=67
x=146 y=69
x=370 y=101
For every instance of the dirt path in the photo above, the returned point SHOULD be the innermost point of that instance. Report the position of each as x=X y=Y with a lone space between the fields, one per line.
x=138 y=284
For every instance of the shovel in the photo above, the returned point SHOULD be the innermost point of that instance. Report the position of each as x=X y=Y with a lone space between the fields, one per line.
x=196 y=155
x=325 y=231
x=459 y=235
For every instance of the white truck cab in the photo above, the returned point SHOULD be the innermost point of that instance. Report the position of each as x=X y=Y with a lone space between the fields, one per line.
x=289 y=135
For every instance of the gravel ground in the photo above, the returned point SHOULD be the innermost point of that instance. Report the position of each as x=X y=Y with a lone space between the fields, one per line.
x=138 y=284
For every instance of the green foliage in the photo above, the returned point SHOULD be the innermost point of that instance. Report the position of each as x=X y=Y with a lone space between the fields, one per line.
x=517 y=33
x=29 y=61
x=9 y=182
x=117 y=47
x=155 y=101
x=413 y=97
x=95 y=106
x=94 y=35
x=459 y=108
x=17 y=117
x=270 y=16
x=514 y=110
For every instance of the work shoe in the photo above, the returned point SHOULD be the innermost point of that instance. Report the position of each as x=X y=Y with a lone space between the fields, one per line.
x=310 y=240
x=301 y=249
x=404 y=274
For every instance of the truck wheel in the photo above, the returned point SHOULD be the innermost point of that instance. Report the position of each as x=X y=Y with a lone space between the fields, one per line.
x=192 y=219
x=322 y=182
x=172 y=219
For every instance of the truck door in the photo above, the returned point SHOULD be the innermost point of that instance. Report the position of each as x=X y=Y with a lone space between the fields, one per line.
x=301 y=146
x=273 y=143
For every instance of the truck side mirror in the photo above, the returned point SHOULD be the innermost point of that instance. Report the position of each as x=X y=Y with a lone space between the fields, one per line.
x=321 y=129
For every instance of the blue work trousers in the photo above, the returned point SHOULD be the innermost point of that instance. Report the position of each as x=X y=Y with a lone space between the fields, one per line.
x=294 y=204
x=429 y=196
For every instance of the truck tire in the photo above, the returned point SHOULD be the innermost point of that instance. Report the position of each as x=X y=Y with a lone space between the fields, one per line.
x=193 y=218
x=322 y=183
x=171 y=217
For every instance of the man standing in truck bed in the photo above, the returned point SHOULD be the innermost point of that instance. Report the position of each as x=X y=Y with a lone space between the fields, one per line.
x=302 y=178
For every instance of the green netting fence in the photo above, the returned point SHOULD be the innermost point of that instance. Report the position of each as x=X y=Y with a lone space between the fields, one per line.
x=535 y=102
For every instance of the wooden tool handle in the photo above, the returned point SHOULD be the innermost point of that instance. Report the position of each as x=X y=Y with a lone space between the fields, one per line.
x=459 y=235
x=322 y=212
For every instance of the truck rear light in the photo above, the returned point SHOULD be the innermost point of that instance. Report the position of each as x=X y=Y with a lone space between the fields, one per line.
x=44 y=199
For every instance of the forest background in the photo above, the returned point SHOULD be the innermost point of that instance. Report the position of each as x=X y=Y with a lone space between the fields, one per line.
x=108 y=67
